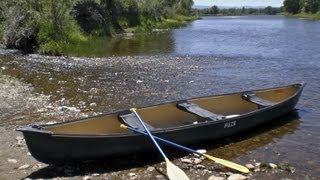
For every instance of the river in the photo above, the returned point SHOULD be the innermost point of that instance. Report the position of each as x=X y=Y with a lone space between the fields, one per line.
x=213 y=55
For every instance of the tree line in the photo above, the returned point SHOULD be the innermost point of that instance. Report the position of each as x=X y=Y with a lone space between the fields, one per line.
x=215 y=10
x=301 y=6
x=48 y=25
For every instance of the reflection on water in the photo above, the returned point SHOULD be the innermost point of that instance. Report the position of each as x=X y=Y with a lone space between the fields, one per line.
x=236 y=146
x=139 y=44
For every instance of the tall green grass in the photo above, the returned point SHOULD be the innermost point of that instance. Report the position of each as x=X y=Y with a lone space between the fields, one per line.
x=303 y=15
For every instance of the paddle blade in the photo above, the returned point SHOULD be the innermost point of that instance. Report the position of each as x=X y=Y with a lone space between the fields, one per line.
x=175 y=173
x=228 y=163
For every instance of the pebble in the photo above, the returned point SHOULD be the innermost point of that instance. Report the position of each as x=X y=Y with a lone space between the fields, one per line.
x=26 y=166
x=237 y=177
x=213 y=177
x=93 y=105
x=19 y=138
x=200 y=166
x=86 y=178
x=14 y=161
x=273 y=166
x=187 y=161
x=160 y=176
x=150 y=168
x=133 y=175
x=196 y=160
x=95 y=174
x=250 y=166
x=257 y=164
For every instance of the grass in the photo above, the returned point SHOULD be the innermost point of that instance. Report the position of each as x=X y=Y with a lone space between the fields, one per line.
x=147 y=24
x=315 y=16
x=1 y=31
x=93 y=46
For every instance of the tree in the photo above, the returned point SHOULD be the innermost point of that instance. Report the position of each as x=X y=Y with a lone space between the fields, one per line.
x=214 y=10
x=292 y=6
x=311 y=6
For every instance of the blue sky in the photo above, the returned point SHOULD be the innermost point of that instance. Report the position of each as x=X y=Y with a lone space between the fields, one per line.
x=274 y=3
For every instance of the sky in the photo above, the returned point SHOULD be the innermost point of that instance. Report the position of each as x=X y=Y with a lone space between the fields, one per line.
x=240 y=3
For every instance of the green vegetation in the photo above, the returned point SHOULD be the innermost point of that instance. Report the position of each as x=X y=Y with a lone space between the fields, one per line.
x=309 y=9
x=50 y=26
x=215 y=10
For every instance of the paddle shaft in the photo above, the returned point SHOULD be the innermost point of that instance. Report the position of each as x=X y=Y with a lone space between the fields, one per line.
x=165 y=141
x=148 y=133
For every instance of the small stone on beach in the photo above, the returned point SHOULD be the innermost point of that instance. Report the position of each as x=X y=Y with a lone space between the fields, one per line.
x=250 y=166
x=12 y=161
x=213 y=177
x=237 y=177
x=26 y=166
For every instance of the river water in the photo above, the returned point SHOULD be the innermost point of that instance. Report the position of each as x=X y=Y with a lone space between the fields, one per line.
x=213 y=55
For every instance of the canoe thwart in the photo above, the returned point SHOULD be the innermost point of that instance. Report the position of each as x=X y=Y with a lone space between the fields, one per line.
x=130 y=119
x=253 y=98
x=197 y=110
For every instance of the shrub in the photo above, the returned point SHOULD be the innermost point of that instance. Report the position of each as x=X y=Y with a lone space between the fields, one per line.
x=20 y=27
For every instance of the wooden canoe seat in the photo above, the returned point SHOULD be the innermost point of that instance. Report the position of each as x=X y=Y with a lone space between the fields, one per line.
x=252 y=97
x=131 y=120
x=197 y=110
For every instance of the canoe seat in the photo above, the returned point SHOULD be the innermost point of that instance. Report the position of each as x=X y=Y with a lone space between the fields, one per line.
x=131 y=120
x=252 y=97
x=197 y=110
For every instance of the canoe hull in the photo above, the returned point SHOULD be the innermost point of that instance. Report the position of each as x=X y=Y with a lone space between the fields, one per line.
x=51 y=148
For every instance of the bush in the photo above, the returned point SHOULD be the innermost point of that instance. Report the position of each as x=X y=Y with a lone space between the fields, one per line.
x=53 y=42
x=20 y=28
x=43 y=25
x=1 y=31
x=89 y=16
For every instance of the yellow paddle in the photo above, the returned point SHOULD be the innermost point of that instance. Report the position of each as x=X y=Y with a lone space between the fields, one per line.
x=173 y=172
x=217 y=160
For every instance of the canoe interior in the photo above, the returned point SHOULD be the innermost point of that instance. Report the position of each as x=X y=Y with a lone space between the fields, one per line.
x=168 y=115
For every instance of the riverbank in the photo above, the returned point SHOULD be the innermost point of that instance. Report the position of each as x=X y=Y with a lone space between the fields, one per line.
x=304 y=15
x=114 y=83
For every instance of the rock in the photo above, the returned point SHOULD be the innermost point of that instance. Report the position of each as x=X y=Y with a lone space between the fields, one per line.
x=139 y=81
x=93 y=105
x=133 y=175
x=26 y=166
x=150 y=168
x=200 y=166
x=273 y=166
x=19 y=138
x=187 y=161
x=95 y=174
x=213 y=177
x=196 y=160
x=51 y=122
x=250 y=166
x=160 y=176
x=86 y=178
x=237 y=177
x=257 y=164
x=14 y=161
